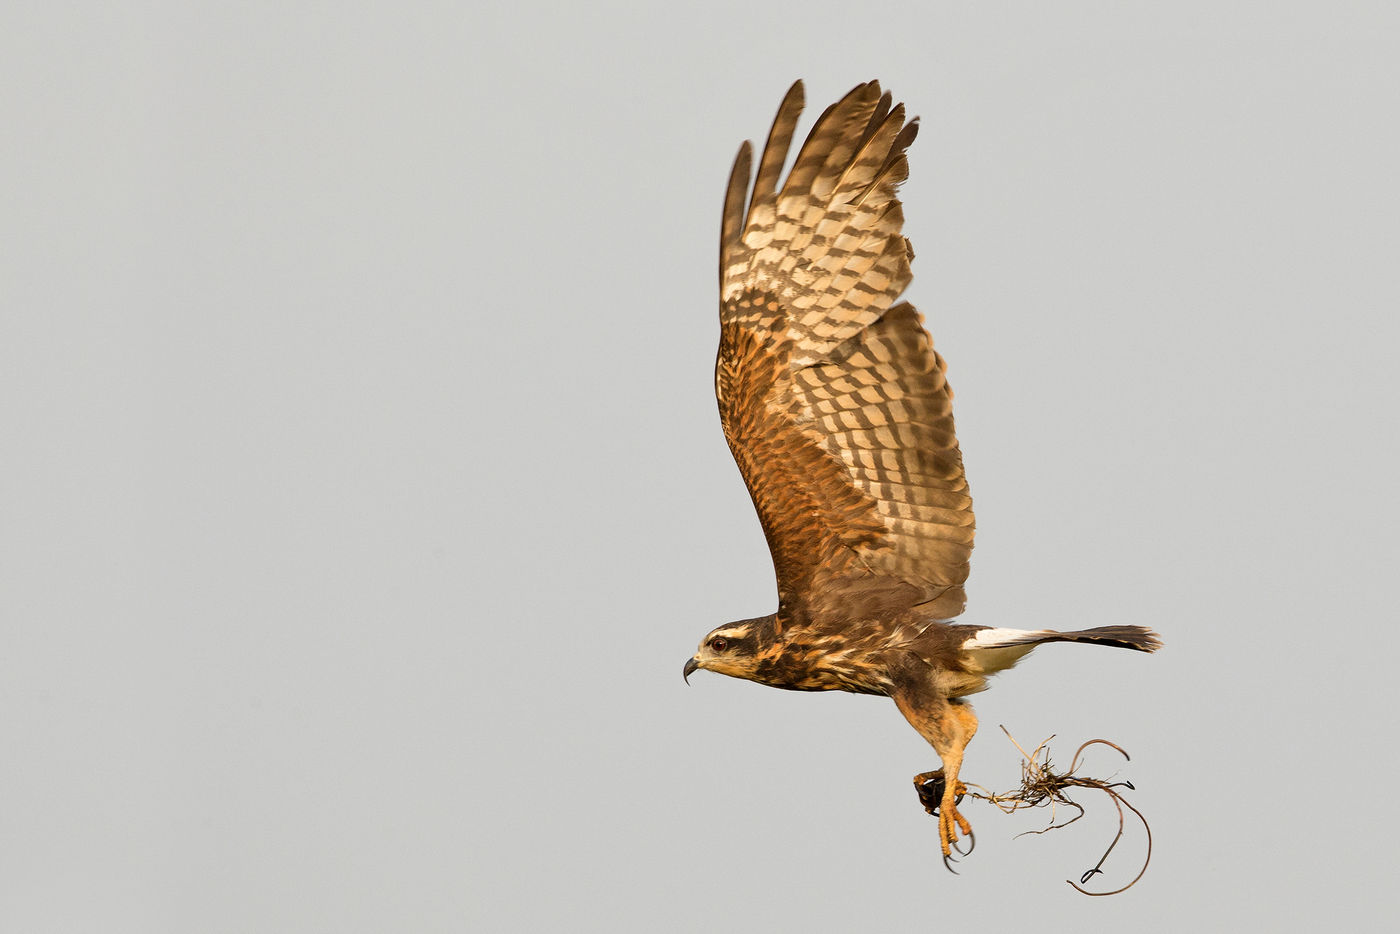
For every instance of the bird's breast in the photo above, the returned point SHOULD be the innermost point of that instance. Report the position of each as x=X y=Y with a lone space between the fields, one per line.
x=823 y=665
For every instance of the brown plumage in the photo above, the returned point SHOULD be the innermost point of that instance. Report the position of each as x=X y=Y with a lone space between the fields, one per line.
x=839 y=414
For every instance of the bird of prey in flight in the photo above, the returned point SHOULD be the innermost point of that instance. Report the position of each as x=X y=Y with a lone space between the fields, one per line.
x=838 y=411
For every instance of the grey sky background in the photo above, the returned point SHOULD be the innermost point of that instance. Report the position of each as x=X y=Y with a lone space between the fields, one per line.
x=363 y=491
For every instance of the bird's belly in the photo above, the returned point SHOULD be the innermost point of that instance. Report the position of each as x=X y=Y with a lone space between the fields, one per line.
x=858 y=679
x=824 y=665
x=826 y=677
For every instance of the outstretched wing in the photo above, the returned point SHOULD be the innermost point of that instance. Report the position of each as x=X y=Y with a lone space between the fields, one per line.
x=831 y=395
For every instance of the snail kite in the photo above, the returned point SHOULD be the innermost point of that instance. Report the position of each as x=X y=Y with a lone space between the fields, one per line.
x=838 y=412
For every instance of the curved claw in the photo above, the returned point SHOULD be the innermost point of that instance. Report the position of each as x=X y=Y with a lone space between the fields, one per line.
x=935 y=796
x=951 y=824
x=949 y=859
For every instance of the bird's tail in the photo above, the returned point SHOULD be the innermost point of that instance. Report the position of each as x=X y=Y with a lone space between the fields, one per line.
x=1125 y=637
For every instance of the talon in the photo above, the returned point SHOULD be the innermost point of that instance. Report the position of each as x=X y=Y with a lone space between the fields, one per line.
x=942 y=803
x=951 y=825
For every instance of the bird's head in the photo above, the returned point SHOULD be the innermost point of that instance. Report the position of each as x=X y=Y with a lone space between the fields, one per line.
x=731 y=650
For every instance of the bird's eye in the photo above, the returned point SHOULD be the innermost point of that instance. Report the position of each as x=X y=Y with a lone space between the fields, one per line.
x=718 y=645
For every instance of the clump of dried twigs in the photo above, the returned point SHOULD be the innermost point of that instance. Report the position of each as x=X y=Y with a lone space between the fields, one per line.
x=1041 y=785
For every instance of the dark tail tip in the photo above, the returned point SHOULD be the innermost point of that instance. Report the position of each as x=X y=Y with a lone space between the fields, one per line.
x=1138 y=638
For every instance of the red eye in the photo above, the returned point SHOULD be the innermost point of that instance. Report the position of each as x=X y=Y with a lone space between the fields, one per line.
x=718 y=645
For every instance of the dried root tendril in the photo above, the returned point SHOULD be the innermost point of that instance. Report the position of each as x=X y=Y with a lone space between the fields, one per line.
x=1041 y=785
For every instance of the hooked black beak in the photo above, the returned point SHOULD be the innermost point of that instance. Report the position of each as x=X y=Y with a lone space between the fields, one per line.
x=691 y=666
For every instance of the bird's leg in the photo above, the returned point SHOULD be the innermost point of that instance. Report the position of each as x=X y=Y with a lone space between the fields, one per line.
x=948 y=725
x=960 y=725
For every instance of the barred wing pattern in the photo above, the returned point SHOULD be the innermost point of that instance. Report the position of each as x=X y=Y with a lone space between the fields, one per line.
x=831 y=395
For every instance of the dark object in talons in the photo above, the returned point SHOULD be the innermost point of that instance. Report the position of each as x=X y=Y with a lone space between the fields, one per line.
x=930 y=786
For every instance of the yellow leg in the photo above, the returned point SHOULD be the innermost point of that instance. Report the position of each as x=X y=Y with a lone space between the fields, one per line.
x=948 y=726
x=950 y=822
